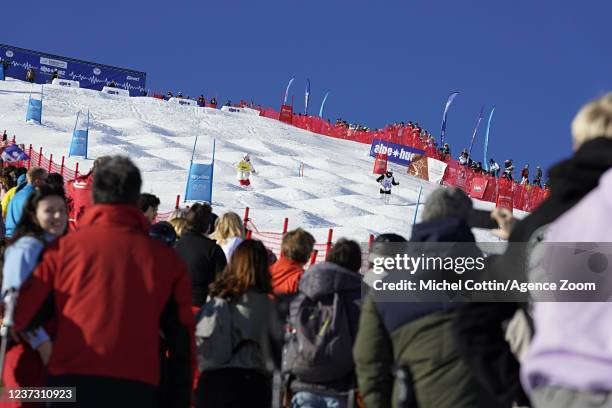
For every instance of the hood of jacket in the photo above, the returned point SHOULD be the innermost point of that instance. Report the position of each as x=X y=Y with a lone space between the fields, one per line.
x=118 y=215
x=327 y=278
x=442 y=230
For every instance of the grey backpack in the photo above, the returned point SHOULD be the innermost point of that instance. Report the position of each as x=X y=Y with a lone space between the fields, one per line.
x=214 y=342
x=319 y=344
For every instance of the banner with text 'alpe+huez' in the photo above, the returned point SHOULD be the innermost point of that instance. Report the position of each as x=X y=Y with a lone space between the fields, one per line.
x=396 y=153
x=89 y=74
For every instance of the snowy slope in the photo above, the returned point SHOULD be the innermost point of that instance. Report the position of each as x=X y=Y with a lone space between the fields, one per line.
x=337 y=191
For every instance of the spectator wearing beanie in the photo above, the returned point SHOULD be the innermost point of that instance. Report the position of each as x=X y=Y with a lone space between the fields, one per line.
x=295 y=252
x=204 y=258
x=112 y=289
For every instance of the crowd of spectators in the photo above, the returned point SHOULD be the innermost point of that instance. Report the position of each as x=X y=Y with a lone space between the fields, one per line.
x=126 y=309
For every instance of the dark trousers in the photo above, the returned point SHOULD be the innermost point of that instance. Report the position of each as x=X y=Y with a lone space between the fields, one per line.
x=96 y=391
x=234 y=388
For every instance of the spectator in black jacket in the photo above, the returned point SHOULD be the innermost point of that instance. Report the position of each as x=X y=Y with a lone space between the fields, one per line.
x=204 y=258
x=479 y=326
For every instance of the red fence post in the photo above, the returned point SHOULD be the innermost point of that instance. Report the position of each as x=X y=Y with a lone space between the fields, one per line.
x=285 y=225
x=50 y=163
x=248 y=234
x=62 y=167
x=330 y=234
x=178 y=199
x=313 y=257
x=76 y=171
x=370 y=241
x=246 y=218
x=14 y=138
x=39 y=155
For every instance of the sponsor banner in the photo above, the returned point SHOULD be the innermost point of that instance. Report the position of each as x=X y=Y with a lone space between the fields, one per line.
x=199 y=183
x=380 y=164
x=1 y=72
x=504 y=194
x=396 y=153
x=78 y=146
x=90 y=75
x=479 y=186
x=436 y=169
x=184 y=102
x=286 y=113
x=115 y=91
x=66 y=82
x=247 y=111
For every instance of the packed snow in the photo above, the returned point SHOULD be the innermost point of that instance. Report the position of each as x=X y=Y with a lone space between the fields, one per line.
x=338 y=189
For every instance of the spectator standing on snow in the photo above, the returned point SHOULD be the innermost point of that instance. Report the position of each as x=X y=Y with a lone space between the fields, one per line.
x=229 y=233
x=525 y=175
x=537 y=180
x=44 y=219
x=296 y=248
x=204 y=258
x=242 y=380
x=334 y=286
x=112 y=289
x=480 y=327
x=35 y=177
x=30 y=75
x=408 y=345
x=149 y=205
x=78 y=193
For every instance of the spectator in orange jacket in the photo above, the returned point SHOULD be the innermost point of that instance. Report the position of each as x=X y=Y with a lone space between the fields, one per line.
x=295 y=252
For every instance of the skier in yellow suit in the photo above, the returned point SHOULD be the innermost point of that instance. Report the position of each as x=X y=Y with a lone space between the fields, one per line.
x=245 y=168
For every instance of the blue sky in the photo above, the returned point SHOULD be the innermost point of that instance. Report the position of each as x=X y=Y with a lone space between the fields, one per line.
x=383 y=61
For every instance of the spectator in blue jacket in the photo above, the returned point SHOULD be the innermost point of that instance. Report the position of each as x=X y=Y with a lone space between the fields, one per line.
x=35 y=177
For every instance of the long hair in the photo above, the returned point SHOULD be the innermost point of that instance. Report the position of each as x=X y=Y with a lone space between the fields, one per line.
x=248 y=270
x=229 y=225
x=28 y=225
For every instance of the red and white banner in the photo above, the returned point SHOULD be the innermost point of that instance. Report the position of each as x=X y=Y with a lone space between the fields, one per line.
x=479 y=186
x=504 y=194
x=380 y=164
x=427 y=168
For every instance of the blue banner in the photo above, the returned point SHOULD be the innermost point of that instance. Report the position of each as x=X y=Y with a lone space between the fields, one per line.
x=12 y=153
x=323 y=104
x=78 y=146
x=34 y=111
x=306 y=97
x=1 y=71
x=89 y=74
x=486 y=145
x=200 y=182
x=287 y=90
x=80 y=137
x=396 y=153
x=450 y=100
x=475 y=130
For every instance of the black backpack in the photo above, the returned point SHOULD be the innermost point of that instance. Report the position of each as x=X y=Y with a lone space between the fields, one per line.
x=319 y=342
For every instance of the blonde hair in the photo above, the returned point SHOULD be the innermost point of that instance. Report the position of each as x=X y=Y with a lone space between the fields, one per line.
x=179 y=225
x=593 y=120
x=227 y=226
x=177 y=213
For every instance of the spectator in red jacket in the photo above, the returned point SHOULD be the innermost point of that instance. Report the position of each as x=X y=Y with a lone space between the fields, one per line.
x=112 y=290
x=78 y=194
x=295 y=253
